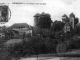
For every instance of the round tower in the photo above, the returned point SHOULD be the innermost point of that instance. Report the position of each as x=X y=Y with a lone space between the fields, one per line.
x=36 y=17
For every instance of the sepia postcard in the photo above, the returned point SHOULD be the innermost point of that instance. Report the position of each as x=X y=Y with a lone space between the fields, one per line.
x=39 y=30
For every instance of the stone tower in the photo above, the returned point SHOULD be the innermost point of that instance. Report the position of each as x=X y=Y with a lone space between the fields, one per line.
x=72 y=17
x=36 y=17
x=65 y=18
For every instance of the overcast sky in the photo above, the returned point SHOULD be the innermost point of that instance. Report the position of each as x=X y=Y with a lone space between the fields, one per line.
x=56 y=8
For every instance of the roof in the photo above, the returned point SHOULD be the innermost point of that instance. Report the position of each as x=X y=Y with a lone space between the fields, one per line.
x=37 y=15
x=20 y=25
x=78 y=24
x=43 y=13
x=64 y=15
x=72 y=15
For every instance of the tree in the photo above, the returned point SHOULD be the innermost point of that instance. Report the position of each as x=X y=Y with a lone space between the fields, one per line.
x=37 y=30
x=57 y=26
x=76 y=20
x=44 y=21
x=77 y=28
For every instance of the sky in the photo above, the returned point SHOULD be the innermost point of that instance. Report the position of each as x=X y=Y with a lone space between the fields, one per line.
x=23 y=13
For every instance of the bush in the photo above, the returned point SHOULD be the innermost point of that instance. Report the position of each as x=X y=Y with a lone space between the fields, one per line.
x=25 y=48
x=34 y=45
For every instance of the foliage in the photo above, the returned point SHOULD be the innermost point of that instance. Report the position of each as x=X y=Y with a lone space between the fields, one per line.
x=34 y=45
x=44 y=21
x=57 y=26
x=76 y=20
x=37 y=30
x=77 y=29
x=50 y=45
x=9 y=34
